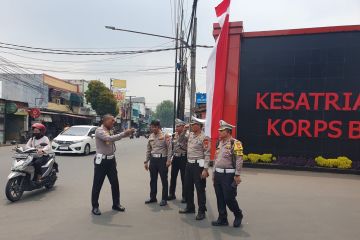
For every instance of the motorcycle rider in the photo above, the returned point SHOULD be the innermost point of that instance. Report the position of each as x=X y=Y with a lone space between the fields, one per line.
x=38 y=137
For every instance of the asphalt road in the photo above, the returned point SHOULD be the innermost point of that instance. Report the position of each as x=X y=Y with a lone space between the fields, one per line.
x=276 y=204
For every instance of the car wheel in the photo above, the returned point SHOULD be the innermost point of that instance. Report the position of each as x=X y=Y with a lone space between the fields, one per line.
x=87 y=149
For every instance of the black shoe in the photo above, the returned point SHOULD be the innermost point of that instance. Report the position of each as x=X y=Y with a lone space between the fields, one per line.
x=96 y=211
x=237 y=221
x=186 y=211
x=183 y=200
x=118 y=208
x=151 y=200
x=200 y=216
x=163 y=203
x=171 y=197
x=220 y=222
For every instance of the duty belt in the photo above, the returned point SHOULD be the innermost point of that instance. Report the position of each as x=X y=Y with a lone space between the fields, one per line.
x=225 y=170
x=179 y=154
x=157 y=155
x=195 y=161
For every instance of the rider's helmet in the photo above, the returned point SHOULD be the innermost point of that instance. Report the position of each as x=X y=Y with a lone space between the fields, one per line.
x=39 y=126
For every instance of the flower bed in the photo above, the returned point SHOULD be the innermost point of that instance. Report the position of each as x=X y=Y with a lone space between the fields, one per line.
x=268 y=160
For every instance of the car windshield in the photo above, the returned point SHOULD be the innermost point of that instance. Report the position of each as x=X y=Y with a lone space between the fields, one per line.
x=76 y=131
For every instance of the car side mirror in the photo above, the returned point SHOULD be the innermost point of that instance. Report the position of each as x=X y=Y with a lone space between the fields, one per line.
x=43 y=144
x=13 y=142
x=93 y=135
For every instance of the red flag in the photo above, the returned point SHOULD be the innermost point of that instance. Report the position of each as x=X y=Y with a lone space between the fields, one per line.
x=216 y=74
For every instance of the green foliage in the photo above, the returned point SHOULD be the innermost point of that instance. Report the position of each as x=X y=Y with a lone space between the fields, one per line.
x=255 y=158
x=165 y=113
x=340 y=162
x=102 y=100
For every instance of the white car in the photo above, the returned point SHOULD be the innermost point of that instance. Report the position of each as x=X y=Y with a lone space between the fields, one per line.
x=76 y=139
x=167 y=131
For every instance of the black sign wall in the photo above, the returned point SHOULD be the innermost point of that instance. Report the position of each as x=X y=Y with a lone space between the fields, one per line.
x=299 y=95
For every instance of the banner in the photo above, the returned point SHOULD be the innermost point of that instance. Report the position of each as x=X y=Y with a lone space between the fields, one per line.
x=117 y=83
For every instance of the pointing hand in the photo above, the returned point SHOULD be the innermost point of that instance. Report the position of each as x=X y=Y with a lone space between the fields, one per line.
x=130 y=131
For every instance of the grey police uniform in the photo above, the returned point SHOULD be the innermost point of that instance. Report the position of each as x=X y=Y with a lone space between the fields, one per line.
x=105 y=165
x=157 y=155
x=228 y=163
x=179 y=158
x=198 y=160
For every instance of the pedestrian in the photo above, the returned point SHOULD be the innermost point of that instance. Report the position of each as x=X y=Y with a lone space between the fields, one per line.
x=66 y=126
x=226 y=178
x=178 y=158
x=105 y=163
x=196 y=170
x=157 y=162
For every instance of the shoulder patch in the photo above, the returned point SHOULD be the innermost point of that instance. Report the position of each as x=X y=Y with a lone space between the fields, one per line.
x=238 y=148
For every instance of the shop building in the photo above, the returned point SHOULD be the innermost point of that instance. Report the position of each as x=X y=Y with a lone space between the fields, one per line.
x=18 y=94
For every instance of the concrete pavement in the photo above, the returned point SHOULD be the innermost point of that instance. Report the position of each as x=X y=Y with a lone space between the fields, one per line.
x=276 y=204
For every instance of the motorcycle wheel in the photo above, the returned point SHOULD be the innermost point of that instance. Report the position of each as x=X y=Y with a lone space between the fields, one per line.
x=13 y=189
x=51 y=184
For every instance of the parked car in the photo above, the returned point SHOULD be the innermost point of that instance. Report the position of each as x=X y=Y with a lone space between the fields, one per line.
x=76 y=139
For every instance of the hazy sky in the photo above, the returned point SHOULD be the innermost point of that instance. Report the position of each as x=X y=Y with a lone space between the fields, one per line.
x=80 y=24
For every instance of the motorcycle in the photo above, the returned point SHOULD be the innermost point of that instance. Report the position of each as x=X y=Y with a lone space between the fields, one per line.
x=22 y=177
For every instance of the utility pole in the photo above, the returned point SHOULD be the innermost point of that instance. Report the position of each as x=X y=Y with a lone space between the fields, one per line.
x=175 y=79
x=182 y=72
x=193 y=68
x=182 y=83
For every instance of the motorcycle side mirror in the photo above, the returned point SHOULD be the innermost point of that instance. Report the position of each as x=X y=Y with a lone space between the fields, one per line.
x=43 y=144
x=13 y=142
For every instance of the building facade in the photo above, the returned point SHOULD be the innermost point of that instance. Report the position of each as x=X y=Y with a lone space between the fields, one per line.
x=295 y=93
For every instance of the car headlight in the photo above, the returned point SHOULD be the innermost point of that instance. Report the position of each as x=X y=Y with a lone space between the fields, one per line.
x=56 y=141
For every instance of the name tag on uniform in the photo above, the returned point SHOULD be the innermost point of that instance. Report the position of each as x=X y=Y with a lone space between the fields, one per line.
x=98 y=158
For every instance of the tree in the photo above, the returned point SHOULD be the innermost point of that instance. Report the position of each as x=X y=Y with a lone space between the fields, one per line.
x=165 y=113
x=102 y=100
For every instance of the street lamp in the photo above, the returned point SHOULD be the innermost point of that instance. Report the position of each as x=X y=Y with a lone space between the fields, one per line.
x=148 y=34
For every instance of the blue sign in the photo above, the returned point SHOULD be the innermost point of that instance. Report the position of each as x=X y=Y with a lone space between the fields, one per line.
x=200 y=98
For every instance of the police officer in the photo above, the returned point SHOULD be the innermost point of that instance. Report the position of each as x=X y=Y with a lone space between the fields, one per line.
x=196 y=170
x=105 y=163
x=178 y=158
x=227 y=170
x=157 y=161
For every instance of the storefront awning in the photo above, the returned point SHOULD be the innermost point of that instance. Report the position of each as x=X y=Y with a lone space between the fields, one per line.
x=68 y=114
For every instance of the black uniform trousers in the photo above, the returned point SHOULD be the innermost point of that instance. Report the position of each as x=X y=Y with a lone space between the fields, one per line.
x=158 y=167
x=193 y=177
x=226 y=194
x=178 y=164
x=107 y=167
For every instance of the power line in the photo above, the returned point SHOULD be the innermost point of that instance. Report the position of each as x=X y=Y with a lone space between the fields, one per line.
x=79 y=53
